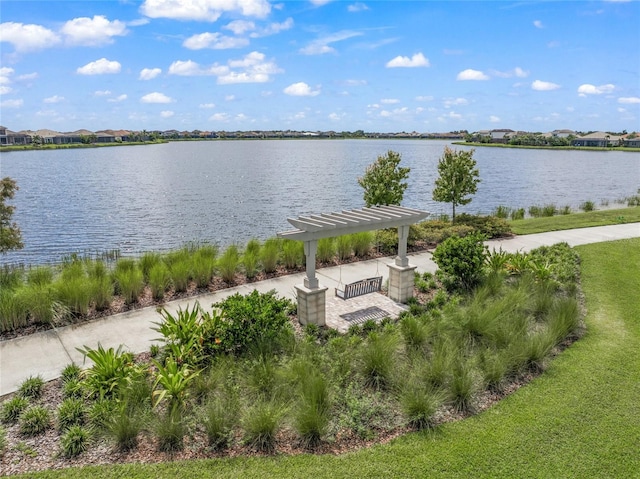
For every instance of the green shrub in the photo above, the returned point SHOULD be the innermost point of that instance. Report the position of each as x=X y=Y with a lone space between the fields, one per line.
x=251 y=321
x=71 y=412
x=387 y=241
x=159 y=280
x=228 y=264
x=32 y=387
x=326 y=250
x=261 y=423
x=111 y=367
x=12 y=409
x=535 y=211
x=566 y=210
x=72 y=388
x=183 y=333
x=489 y=226
x=70 y=371
x=269 y=255
x=549 y=210
x=462 y=259
x=34 y=421
x=101 y=412
x=3 y=441
x=75 y=441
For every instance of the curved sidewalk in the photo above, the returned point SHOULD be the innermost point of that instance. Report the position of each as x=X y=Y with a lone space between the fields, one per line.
x=47 y=353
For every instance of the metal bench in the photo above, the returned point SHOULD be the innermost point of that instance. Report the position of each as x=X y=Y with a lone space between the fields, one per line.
x=364 y=286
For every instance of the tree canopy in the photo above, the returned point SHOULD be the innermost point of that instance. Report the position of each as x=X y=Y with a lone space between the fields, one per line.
x=384 y=181
x=10 y=236
x=458 y=178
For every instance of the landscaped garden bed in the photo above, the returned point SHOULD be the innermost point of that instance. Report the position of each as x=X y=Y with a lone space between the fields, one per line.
x=244 y=379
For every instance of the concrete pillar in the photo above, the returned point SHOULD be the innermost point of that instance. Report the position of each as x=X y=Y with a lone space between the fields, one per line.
x=310 y=249
x=401 y=282
x=311 y=305
x=403 y=236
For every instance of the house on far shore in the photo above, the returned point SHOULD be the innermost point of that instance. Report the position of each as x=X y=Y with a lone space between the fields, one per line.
x=599 y=139
x=632 y=140
x=563 y=133
x=500 y=136
x=8 y=137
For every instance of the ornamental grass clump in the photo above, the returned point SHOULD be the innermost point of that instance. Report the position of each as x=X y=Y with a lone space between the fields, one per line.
x=292 y=253
x=415 y=332
x=344 y=247
x=269 y=255
x=159 y=280
x=219 y=419
x=35 y=420
x=75 y=440
x=39 y=301
x=32 y=387
x=147 y=261
x=420 y=402
x=261 y=422
x=361 y=243
x=14 y=313
x=377 y=359
x=40 y=276
x=170 y=429
x=203 y=265
x=228 y=264
x=312 y=412
x=12 y=409
x=326 y=250
x=73 y=288
x=71 y=412
x=129 y=280
x=250 y=261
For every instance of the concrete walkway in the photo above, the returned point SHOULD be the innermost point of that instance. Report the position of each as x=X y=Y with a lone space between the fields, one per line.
x=47 y=353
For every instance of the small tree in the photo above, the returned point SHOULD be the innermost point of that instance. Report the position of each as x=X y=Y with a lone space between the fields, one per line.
x=458 y=178
x=383 y=182
x=10 y=236
x=462 y=259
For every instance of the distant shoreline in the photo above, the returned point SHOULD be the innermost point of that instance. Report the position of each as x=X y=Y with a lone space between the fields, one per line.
x=162 y=141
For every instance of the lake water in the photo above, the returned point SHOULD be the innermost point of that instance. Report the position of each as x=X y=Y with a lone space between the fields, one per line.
x=158 y=197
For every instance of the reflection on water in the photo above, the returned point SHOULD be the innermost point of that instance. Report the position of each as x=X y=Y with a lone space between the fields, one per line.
x=158 y=197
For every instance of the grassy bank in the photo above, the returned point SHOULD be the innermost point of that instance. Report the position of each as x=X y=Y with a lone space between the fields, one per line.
x=77 y=145
x=541 y=147
x=579 y=419
x=576 y=220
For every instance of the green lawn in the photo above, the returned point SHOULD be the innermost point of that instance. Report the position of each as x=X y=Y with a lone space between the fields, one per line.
x=580 y=419
x=576 y=220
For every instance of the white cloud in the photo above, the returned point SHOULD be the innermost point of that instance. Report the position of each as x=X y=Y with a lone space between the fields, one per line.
x=252 y=68
x=335 y=116
x=186 y=68
x=394 y=113
x=214 y=41
x=357 y=7
x=100 y=67
x=389 y=101
x=417 y=60
x=25 y=38
x=149 y=73
x=516 y=72
x=102 y=93
x=273 y=28
x=587 y=89
x=219 y=117
x=449 y=102
x=540 y=85
x=5 y=89
x=424 y=98
x=5 y=73
x=240 y=27
x=118 y=99
x=53 y=99
x=494 y=119
x=203 y=10
x=300 y=89
x=207 y=105
x=166 y=114
x=321 y=46
x=629 y=100
x=11 y=103
x=353 y=82
x=319 y=3
x=92 y=32
x=452 y=115
x=28 y=76
x=538 y=24
x=470 y=74
x=156 y=97
x=229 y=97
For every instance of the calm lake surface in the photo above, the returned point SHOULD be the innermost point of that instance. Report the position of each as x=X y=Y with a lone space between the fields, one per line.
x=158 y=197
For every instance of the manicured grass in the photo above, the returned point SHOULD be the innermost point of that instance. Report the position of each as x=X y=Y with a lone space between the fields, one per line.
x=579 y=419
x=576 y=220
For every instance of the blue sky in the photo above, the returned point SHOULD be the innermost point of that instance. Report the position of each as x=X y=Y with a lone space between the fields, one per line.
x=320 y=65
